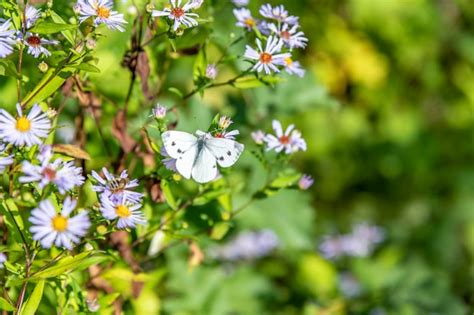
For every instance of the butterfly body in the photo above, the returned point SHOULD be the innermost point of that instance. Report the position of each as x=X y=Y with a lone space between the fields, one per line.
x=197 y=156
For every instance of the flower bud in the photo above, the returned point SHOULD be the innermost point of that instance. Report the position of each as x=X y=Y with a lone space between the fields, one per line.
x=159 y=112
x=224 y=122
x=91 y=43
x=51 y=113
x=211 y=71
x=43 y=66
x=305 y=182
x=150 y=7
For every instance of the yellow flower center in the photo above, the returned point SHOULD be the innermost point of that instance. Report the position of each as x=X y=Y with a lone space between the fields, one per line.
x=123 y=211
x=23 y=124
x=288 y=61
x=265 y=58
x=249 y=22
x=103 y=12
x=59 y=223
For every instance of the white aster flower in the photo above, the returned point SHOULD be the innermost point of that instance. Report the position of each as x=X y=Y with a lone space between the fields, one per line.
x=290 y=35
x=32 y=15
x=179 y=14
x=278 y=13
x=5 y=160
x=115 y=188
x=24 y=130
x=290 y=141
x=240 y=3
x=3 y=259
x=294 y=67
x=58 y=172
x=35 y=45
x=101 y=12
x=7 y=40
x=269 y=58
x=244 y=18
x=128 y=214
x=59 y=228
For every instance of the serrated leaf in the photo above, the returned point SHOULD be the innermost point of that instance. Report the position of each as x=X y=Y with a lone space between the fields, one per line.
x=51 y=28
x=34 y=299
x=72 y=151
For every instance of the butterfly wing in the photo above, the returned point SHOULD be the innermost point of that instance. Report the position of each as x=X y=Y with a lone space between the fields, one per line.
x=177 y=143
x=225 y=151
x=185 y=161
x=204 y=168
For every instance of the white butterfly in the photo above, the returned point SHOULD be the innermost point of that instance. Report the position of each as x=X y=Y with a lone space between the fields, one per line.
x=198 y=156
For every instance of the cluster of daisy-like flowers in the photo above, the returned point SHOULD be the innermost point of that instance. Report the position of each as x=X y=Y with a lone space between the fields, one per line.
x=118 y=201
x=22 y=141
x=25 y=133
x=180 y=14
x=11 y=35
x=277 y=34
x=99 y=11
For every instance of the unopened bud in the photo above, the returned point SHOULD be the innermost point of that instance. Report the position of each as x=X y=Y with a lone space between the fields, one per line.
x=43 y=66
x=224 y=122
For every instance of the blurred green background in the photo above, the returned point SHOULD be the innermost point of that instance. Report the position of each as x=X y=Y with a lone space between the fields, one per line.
x=386 y=107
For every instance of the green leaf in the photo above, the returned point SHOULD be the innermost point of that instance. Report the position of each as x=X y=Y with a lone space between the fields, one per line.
x=88 y=67
x=7 y=68
x=285 y=179
x=69 y=263
x=220 y=230
x=176 y=91
x=165 y=187
x=248 y=82
x=209 y=196
x=200 y=64
x=51 y=82
x=66 y=33
x=5 y=305
x=51 y=28
x=34 y=299
x=11 y=215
